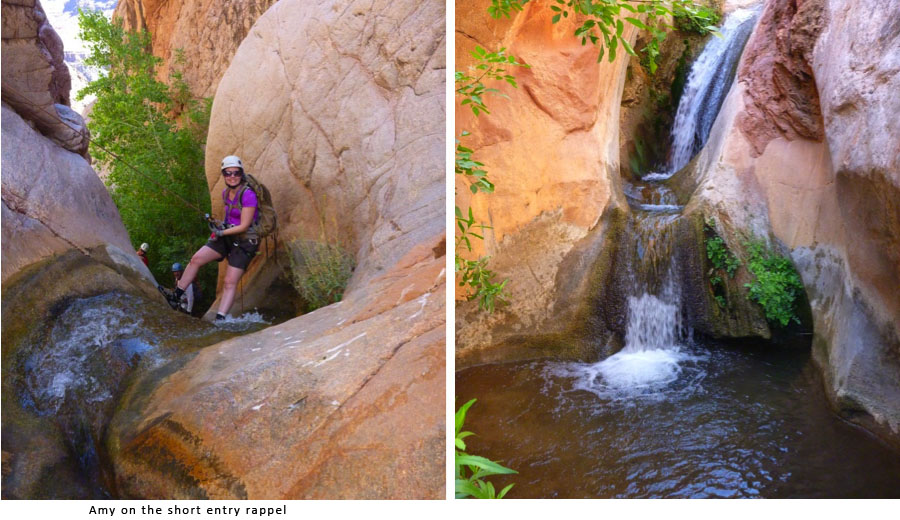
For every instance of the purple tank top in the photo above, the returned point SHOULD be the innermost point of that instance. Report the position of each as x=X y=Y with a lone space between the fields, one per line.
x=248 y=200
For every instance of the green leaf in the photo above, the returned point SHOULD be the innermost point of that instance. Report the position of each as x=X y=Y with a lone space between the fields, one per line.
x=461 y=414
x=505 y=491
x=485 y=464
x=637 y=23
x=627 y=46
x=555 y=19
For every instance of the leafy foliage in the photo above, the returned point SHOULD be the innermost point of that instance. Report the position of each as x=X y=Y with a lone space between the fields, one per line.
x=490 y=66
x=697 y=18
x=154 y=162
x=722 y=260
x=474 y=274
x=320 y=271
x=604 y=21
x=777 y=286
x=721 y=257
x=472 y=169
x=471 y=470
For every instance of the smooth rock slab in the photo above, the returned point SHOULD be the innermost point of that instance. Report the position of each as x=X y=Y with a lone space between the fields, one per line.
x=344 y=402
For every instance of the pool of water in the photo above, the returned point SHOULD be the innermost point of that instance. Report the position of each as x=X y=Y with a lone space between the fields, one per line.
x=698 y=420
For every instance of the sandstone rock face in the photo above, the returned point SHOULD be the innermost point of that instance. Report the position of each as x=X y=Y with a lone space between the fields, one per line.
x=209 y=31
x=552 y=149
x=782 y=98
x=36 y=81
x=344 y=402
x=857 y=68
x=339 y=110
x=52 y=201
x=831 y=203
x=62 y=240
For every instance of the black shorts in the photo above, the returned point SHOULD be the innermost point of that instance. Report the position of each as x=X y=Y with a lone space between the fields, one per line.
x=238 y=252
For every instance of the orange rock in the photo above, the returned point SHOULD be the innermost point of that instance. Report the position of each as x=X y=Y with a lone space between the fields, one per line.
x=208 y=31
x=551 y=149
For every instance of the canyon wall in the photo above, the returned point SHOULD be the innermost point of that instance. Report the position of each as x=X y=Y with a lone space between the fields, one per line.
x=53 y=202
x=62 y=239
x=349 y=134
x=208 y=31
x=339 y=109
x=805 y=151
x=552 y=150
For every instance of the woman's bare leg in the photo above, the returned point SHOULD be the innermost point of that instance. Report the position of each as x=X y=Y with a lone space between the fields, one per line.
x=203 y=256
x=232 y=277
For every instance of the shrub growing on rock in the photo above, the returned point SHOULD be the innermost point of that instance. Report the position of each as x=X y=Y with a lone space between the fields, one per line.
x=777 y=286
x=320 y=271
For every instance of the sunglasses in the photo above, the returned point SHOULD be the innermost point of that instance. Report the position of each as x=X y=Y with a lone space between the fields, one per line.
x=231 y=174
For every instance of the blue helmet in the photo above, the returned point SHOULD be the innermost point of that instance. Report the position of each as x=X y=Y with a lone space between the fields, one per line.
x=176 y=267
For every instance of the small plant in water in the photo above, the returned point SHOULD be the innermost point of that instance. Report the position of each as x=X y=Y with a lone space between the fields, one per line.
x=472 y=469
x=777 y=286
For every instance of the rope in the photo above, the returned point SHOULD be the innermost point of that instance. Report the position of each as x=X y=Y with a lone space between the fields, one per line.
x=57 y=122
x=182 y=199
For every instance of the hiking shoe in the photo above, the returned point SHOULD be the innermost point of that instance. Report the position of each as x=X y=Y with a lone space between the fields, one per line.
x=171 y=299
x=220 y=317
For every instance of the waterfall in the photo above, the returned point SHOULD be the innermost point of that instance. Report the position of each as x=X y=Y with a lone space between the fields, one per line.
x=653 y=324
x=707 y=84
x=652 y=358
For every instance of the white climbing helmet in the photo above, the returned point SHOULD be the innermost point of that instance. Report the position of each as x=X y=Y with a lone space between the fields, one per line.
x=232 y=161
x=145 y=247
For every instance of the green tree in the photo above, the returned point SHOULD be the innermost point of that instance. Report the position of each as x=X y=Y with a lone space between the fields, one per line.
x=149 y=137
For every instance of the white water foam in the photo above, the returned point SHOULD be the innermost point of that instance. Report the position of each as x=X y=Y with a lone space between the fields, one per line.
x=243 y=322
x=62 y=369
x=656 y=176
x=661 y=208
x=653 y=360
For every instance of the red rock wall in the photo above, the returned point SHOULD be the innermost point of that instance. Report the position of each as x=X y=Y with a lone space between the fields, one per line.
x=781 y=96
x=209 y=31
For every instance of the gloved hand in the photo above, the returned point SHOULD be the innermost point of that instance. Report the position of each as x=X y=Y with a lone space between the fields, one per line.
x=216 y=233
x=213 y=225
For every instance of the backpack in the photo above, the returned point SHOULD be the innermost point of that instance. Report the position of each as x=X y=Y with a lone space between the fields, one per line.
x=266 y=220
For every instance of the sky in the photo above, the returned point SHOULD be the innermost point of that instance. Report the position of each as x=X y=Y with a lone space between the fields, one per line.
x=63 y=16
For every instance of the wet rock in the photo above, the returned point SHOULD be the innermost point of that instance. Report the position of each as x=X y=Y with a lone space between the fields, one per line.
x=343 y=402
x=74 y=326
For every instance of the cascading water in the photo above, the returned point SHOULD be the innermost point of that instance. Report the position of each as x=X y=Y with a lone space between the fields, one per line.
x=669 y=415
x=654 y=339
x=73 y=371
x=654 y=356
x=706 y=87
